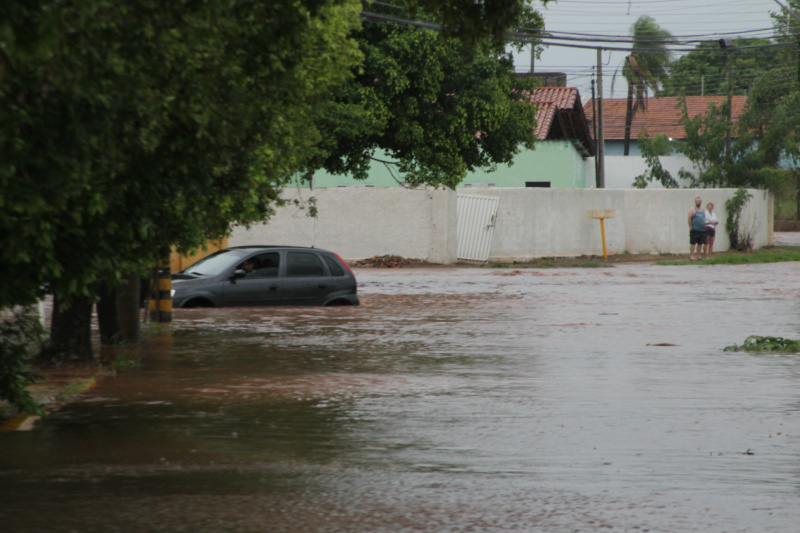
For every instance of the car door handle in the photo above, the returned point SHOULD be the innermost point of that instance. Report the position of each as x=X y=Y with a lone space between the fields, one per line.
x=273 y=287
x=323 y=286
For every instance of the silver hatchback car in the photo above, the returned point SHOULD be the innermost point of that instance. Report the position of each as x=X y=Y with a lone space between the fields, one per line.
x=265 y=275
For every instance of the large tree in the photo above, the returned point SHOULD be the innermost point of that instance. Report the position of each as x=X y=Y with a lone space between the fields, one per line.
x=645 y=68
x=705 y=70
x=433 y=110
x=128 y=127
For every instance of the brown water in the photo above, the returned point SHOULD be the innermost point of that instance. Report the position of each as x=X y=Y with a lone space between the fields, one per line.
x=452 y=400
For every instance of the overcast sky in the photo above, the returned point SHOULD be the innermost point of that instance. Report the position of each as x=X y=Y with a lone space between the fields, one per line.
x=685 y=19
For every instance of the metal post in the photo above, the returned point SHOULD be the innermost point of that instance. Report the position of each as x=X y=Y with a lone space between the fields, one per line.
x=600 y=155
x=594 y=127
x=730 y=106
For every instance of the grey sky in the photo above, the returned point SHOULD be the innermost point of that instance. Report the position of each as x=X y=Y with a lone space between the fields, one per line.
x=686 y=19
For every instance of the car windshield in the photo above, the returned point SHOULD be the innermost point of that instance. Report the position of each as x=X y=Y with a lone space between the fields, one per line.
x=214 y=264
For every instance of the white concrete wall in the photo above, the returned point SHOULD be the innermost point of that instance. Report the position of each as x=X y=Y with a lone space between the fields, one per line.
x=553 y=222
x=550 y=222
x=656 y=221
x=363 y=222
x=620 y=171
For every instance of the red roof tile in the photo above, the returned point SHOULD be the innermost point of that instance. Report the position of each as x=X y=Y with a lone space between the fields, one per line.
x=660 y=117
x=560 y=115
x=545 y=114
x=549 y=100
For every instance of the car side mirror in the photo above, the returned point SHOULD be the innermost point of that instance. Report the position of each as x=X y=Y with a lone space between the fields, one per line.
x=238 y=274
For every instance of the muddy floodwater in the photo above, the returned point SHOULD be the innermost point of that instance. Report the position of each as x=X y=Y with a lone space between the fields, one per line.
x=452 y=400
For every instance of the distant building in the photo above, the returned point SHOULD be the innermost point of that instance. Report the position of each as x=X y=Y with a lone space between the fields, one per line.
x=661 y=116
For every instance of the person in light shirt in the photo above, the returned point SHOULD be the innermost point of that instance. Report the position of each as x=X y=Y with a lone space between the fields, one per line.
x=711 y=229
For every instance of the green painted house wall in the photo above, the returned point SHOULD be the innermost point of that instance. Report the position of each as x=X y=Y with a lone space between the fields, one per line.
x=557 y=162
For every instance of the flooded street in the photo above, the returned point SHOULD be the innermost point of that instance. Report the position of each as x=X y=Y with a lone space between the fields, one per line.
x=452 y=400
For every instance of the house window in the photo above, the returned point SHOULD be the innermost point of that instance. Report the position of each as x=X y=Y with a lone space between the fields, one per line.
x=541 y=184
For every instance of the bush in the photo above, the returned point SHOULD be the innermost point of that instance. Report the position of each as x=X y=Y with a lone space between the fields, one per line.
x=741 y=238
x=20 y=333
x=757 y=344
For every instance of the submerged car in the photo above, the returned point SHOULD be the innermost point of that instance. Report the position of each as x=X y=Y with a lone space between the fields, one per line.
x=265 y=275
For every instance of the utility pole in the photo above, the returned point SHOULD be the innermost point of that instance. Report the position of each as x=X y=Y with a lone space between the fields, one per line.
x=594 y=125
x=730 y=105
x=727 y=45
x=533 y=56
x=601 y=145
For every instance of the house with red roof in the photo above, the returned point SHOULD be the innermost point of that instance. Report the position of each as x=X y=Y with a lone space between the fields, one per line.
x=563 y=146
x=563 y=150
x=661 y=116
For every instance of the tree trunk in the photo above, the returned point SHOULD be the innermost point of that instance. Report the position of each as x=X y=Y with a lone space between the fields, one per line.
x=628 y=120
x=797 y=200
x=128 y=305
x=70 y=333
x=107 y=317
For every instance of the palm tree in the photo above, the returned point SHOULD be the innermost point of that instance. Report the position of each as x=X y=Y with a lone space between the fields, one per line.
x=646 y=68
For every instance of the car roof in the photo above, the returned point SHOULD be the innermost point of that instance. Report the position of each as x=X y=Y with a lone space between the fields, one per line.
x=273 y=247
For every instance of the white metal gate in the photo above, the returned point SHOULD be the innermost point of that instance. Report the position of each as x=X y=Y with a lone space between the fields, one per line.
x=476 y=218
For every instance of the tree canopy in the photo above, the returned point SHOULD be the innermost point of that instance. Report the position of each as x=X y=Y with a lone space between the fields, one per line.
x=767 y=134
x=704 y=71
x=129 y=127
x=435 y=110
x=645 y=69
x=766 y=131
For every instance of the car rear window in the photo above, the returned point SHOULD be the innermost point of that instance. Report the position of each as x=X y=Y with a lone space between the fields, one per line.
x=334 y=266
x=303 y=264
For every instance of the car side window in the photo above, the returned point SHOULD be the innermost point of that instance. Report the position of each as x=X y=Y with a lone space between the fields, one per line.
x=262 y=266
x=303 y=264
x=335 y=268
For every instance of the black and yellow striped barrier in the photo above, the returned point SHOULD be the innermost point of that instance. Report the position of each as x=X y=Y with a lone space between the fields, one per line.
x=161 y=296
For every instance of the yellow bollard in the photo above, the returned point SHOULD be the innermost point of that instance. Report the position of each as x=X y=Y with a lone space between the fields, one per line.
x=602 y=214
x=160 y=306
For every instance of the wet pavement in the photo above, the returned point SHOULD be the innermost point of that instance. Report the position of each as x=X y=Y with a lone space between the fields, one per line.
x=482 y=400
x=786 y=238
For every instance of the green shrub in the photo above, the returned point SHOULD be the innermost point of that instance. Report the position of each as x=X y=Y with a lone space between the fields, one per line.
x=741 y=238
x=20 y=332
x=757 y=344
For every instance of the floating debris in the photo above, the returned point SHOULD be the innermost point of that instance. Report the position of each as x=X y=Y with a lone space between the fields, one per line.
x=387 y=261
x=757 y=344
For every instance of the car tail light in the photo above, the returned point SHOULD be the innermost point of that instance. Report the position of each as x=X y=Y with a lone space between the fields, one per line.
x=342 y=261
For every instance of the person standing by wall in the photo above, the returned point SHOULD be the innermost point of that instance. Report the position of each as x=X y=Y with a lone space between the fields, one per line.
x=697 y=230
x=711 y=228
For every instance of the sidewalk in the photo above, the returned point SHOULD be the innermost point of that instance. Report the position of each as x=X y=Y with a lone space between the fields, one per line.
x=782 y=238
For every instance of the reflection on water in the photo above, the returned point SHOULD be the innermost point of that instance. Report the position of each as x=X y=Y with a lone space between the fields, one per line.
x=451 y=400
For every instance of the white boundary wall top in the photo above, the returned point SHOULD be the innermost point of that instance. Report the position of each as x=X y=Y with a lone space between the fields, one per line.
x=621 y=171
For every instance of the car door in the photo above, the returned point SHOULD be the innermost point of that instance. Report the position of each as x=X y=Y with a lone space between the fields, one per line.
x=259 y=287
x=306 y=280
